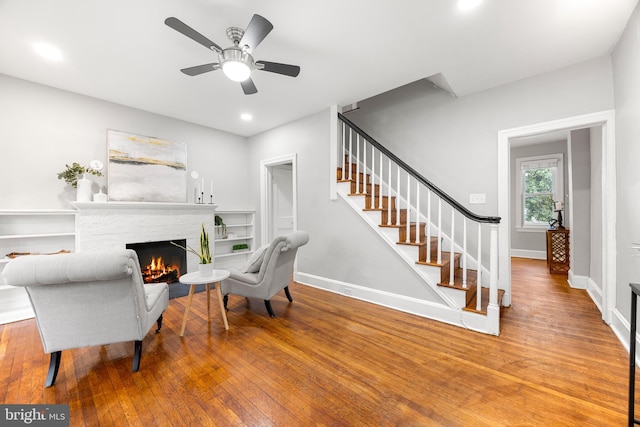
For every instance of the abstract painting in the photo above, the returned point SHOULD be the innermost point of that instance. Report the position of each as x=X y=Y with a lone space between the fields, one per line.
x=146 y=169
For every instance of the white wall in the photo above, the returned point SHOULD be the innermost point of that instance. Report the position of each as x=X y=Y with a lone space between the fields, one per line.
x=626 y=81
x=42 y=129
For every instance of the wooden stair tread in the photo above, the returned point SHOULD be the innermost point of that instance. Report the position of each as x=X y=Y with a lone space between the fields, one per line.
x=471 y=305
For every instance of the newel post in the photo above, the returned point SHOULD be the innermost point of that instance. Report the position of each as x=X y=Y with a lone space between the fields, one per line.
x=493 y=265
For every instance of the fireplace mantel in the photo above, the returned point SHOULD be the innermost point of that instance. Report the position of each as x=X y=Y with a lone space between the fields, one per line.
x=113 y=225
x=143 y=205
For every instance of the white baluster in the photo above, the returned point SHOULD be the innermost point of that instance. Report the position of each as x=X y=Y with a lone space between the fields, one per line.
x=374 y=203
x=398 y=196
x=408 y=226
x=357 y=163
x=381 y=176
x=389 y=195
x=428 y=226
x=417 y=212
x=451 y=249
x=344 y=154
x=364 y=167
x=464 y=252
x=350 y=153
x=479 y=273
x=439 y=259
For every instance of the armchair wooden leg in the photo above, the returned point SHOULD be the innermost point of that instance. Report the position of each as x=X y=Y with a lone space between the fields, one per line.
x=54 y=365
x=137 y=354
x=267 y=303
x=288 y=294
x=159 y=322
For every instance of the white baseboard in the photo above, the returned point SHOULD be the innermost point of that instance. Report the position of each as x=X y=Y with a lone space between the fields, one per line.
x=525 y=253
x=403 y=303
x=595 y=292
x=577 y=282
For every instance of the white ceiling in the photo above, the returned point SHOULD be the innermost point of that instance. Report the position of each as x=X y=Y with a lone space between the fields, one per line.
x=348 y=50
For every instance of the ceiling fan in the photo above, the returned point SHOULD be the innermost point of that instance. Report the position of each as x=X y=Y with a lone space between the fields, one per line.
x=236 y=61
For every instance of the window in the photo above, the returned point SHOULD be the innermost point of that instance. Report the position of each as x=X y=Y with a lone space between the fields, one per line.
x=539 y=186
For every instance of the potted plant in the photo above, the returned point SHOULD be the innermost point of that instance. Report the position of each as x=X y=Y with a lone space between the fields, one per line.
x=76 y=170
x=204 y=255
x=221 y=227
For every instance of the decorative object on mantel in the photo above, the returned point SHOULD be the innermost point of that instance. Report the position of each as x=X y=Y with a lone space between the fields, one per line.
x=205 y=265
x=71 y=173
x=82 y=185
x=100 y=197
x=198 y=190
x=146 y=169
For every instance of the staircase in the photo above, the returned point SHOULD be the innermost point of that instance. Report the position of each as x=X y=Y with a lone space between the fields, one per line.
x=406 y=210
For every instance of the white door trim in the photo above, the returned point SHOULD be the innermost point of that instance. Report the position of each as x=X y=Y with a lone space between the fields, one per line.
x=265 y=190
x=606 y=119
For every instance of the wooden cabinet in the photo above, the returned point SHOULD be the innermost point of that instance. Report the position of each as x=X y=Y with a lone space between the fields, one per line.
x=558 y=251
x=30 y=231
x=238 y=231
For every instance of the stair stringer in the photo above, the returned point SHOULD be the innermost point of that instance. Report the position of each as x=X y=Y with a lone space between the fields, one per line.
x=430 y=275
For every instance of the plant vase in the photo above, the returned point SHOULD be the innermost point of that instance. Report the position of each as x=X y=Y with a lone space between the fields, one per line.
x=206 y=269
x=83 y=190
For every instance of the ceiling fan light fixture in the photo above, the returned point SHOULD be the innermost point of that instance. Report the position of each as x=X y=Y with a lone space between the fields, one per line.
x=237 y=71
x=236 y=65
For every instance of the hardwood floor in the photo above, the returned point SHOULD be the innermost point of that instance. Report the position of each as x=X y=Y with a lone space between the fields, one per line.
x=331 y=360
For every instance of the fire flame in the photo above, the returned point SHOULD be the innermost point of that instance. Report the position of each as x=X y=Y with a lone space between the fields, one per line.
x=157 y=271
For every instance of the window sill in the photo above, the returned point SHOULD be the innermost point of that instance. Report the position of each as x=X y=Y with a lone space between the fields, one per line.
x=541 y=229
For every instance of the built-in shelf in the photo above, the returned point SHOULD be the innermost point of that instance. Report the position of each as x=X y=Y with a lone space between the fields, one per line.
x=31 y=231
x=239 y=229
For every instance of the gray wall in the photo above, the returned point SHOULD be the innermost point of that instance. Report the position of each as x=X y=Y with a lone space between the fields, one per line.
x=580 y=170
x=341 y=246
x=533 y=240
x=626 y=82
x=42 y=129
x=450 y=139
x=596 y=226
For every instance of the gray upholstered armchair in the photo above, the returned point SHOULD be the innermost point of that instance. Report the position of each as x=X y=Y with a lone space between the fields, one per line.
x=268 y=271
x=88 y=298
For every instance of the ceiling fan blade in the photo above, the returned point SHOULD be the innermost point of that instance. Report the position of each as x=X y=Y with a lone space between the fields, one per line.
x=256 y=31
x=199 y=69
x=248 y=87
x=183 y=28
x=275 y=67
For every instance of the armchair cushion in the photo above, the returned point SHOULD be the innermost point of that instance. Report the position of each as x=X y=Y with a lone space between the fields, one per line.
x=253 y=266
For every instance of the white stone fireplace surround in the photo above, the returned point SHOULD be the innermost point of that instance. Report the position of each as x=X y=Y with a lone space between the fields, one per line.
x=112 y=225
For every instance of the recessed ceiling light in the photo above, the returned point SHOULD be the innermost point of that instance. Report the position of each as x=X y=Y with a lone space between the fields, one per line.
x=465 y=5
x=48 y=51
x=246 y=117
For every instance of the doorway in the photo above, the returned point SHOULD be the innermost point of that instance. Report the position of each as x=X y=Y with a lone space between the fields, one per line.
x=607 y=201
x=278 y=196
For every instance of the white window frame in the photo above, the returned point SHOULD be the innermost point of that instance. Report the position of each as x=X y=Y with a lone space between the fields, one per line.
x=525 y=163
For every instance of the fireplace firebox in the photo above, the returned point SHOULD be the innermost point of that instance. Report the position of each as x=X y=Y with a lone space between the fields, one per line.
x=161 y=261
